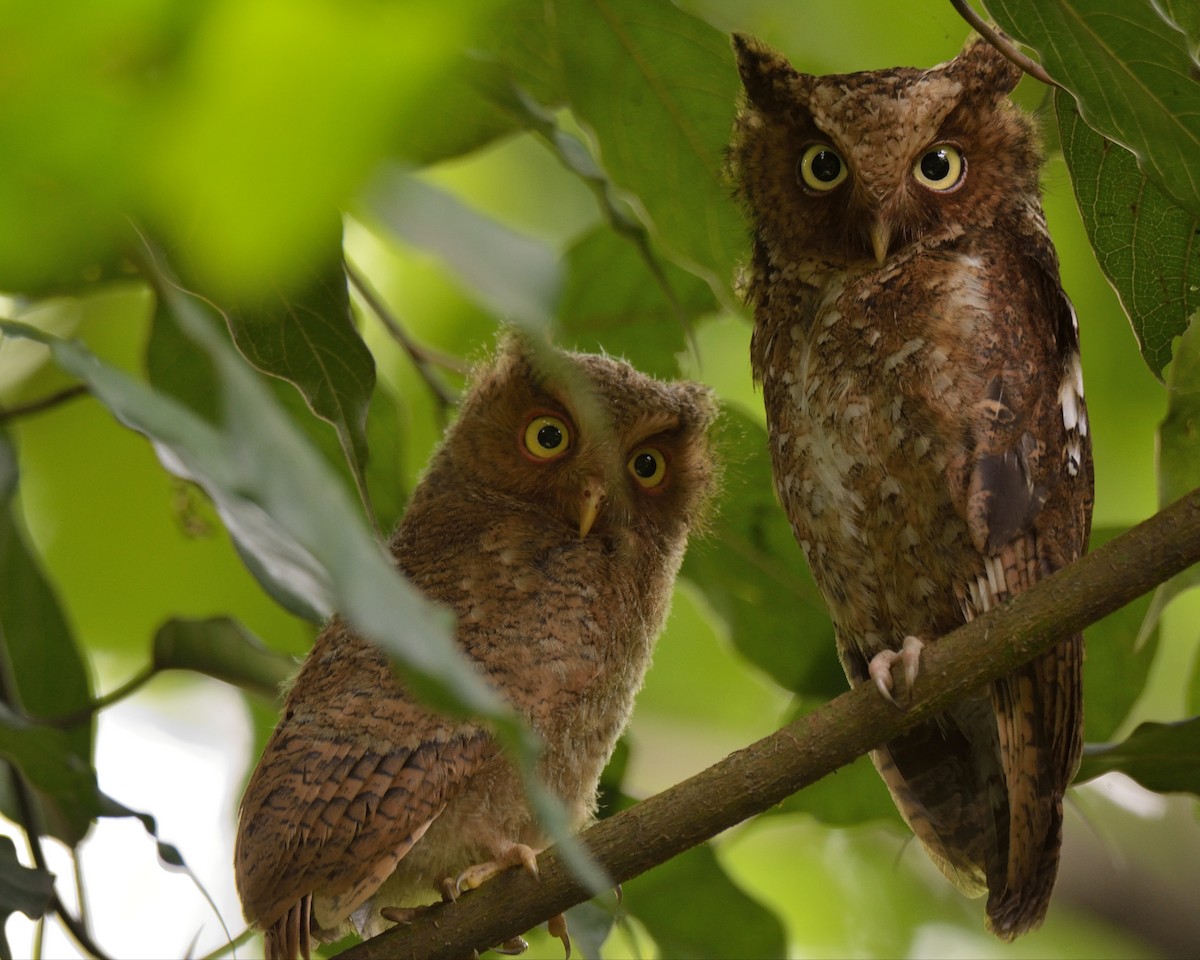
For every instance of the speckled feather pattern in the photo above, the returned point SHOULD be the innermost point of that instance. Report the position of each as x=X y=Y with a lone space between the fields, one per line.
x=364 y=797
x=927 y=425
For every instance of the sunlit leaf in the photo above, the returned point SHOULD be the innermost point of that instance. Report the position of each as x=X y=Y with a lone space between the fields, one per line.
x=221 y=647
x=1164 y=757
x=513 y=276
x=720 y=920
x=1130 y=71
x=626 y=59
x=1144 y=242
x=754 y=575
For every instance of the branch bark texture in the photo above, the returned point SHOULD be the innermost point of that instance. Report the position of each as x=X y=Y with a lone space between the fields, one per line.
x=761 y=775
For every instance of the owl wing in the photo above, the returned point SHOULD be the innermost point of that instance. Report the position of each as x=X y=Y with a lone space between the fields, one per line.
x=335 y=813
x=1027 y=502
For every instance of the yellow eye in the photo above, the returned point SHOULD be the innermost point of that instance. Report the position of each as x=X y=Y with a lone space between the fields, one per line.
x=648 y=467
x=821 y=167
x=546 y=437
x=940 y=168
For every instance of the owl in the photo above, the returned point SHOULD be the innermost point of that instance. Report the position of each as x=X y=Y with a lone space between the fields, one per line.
x=552 y=521
x=920 y=370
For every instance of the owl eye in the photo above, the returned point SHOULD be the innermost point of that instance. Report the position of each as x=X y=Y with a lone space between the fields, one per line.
x=546 y=437
x=648 y=467
x=821 y=167
x=941 y=168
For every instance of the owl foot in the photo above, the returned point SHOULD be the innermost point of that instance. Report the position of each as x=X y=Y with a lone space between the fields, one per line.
x=880 y=668
x=557 y=925
x=512 y=947
x=511 y=855
x=404 y=915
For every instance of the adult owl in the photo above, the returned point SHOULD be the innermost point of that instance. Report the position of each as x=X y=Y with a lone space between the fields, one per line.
x=920 y=369
x=552 y=520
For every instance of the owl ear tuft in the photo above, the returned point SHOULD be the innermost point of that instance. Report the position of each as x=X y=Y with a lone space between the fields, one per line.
x=765 y=72
x=983 y=68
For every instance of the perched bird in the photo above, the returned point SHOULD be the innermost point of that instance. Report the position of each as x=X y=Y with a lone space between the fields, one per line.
x=552 y=520
x=920 y=370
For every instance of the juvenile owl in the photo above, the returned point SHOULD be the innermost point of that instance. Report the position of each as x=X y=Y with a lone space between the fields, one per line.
x=920 y=369
x=552 y=520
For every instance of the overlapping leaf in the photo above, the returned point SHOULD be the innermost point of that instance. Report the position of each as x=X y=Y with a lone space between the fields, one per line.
x=1164 y=757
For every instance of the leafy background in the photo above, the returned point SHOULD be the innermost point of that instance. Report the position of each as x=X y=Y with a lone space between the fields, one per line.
x=555 y=165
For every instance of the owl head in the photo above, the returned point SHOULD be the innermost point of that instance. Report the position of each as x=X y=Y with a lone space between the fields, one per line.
x=857 y=166
x=590 y=445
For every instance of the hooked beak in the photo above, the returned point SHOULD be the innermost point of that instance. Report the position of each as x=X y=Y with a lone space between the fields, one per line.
x=589 y=505
x=881 y=239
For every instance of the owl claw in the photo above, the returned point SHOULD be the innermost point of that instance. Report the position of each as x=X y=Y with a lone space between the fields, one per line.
x=513 y=855
x=557 y=925
x=512 y=947
x=880 y=668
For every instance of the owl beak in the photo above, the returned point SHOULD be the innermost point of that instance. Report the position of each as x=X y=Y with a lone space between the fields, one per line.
x=881 y=239
x=590 y=504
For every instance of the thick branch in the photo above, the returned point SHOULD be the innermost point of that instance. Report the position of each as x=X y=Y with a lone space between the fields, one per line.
x=758 y=777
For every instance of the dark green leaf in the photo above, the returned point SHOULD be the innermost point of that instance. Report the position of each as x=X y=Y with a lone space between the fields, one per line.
x=720 y=919
x=754 y=575
x=48 y=675
x=1145 y=244
x=1120 y=652
x=22 y=888
x=1131 y=74
x=511 y=275
x=852 y=795
x=221 y=648
x=307 y=337
x=1184 y=16
x=613 y=301
x=1179 y=440
x=1164 y=757
x=626 y=59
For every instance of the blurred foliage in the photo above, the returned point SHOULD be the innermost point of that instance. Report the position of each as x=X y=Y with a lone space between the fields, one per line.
x=556 y=165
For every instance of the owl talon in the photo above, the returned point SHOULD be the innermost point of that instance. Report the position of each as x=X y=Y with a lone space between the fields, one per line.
x=557 y=925
x=512 y=947
x=514 y=855
x=880 y=668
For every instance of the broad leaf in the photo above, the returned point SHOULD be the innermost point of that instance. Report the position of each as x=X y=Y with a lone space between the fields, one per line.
x=48 y=674
x=307 y=337
x=1144 y=242
x=1164 y=757
x=1179 y=436
x=1130 y=71
x=21 y=888
x=613 y=301
x=754 y=574
x=626 y=59
x=511 y=275
x=224 y=649
x=721 y=920
x=849 y=796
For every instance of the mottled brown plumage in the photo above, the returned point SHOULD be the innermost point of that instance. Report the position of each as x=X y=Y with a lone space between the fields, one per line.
x=920 y=370
x=552 y=520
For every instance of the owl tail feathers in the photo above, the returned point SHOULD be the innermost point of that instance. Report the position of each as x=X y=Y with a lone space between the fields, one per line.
x=290 y=936
x=1014 y=911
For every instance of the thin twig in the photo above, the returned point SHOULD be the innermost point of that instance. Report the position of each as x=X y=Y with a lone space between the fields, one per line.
x=756 y=778
x=85 y=713
x=422 y=357
x=1002 y=43
x=42 y=404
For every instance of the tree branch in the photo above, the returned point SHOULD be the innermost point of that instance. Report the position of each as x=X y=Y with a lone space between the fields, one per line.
x=753 y=779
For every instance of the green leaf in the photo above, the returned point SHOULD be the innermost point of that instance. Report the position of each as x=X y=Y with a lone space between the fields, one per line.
x=849 y=796
x=754 y=576
x=1131 y=74
x=612 y=301
x=721 y=920
x=1164 y=757
x=511 y=275
x=1145 y=243
x=221 y=647
x=661 y=139
x=22 y=888
x=1179 y=432
x=1120 y=652
x=307 y=337
x=1184 y=16
x=48 y=677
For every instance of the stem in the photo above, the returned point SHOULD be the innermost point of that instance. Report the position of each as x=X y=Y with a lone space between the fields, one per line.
x=43 y=404
x=761 y=775
x=1002 y=43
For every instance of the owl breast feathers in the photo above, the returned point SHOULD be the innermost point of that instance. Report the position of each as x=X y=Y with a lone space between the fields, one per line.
x=920 y=369
x=552 y=520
